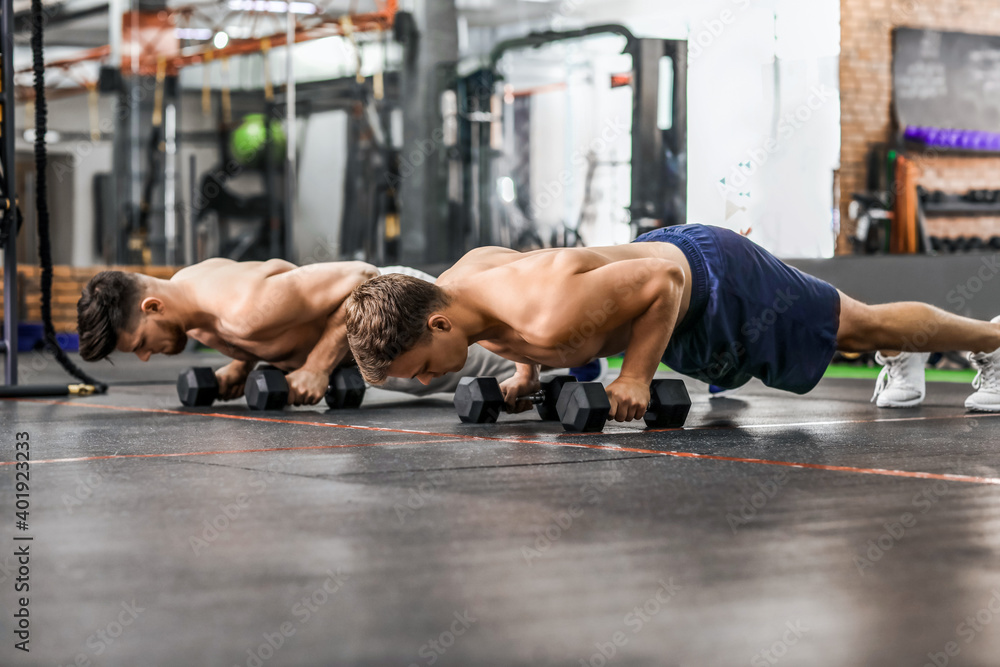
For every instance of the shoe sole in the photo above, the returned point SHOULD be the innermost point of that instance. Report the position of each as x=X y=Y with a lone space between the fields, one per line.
x=980 y=408
x=902 y=404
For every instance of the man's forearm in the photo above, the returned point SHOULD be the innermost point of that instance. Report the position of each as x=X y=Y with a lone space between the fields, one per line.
x=332 y=346
x=242 y=365
x=527 y=371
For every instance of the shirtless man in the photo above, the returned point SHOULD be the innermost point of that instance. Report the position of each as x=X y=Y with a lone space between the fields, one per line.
x=707 y=302
x=291 y=317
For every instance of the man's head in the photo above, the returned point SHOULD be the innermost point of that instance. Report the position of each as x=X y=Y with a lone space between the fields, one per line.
x=399 y=326
x=125 y=312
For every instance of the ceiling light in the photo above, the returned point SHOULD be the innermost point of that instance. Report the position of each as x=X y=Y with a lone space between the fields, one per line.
x=200 y=34
x=507 y=189
x=274 y=6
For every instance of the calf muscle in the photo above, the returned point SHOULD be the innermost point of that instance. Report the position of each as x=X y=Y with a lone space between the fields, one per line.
x=911 y=327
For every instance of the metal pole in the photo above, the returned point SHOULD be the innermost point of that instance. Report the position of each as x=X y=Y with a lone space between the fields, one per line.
x=10 y=210
x=192 y=211
x=170 y=184
x=426 y=235
x=291 y=142
x=116 y=8
x=135 y=142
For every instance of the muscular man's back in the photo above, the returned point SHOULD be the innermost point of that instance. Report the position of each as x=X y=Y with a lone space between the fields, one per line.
x=585 y=291
x=270 y=310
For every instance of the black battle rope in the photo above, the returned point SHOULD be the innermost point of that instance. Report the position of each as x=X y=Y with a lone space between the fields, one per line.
x=41 y=203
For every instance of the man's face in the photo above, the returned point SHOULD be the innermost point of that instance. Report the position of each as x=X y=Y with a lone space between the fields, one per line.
x=442 y=352
x=153 y=335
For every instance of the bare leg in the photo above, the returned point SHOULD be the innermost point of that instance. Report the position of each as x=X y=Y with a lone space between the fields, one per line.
x=911 y=327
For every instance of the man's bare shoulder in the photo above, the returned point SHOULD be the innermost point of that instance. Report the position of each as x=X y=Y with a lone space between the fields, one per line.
x=321 y=271
x=290 y=294
x=544 y=263
x=478 y=260
x=201 y=268
x=229 y=289
x=220 y=268
x=489 y=255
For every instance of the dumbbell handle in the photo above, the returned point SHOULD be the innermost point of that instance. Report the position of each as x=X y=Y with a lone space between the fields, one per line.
x=535 y=398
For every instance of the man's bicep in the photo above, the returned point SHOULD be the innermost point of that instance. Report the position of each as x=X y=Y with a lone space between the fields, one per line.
x=321 y=288
x=627 y=288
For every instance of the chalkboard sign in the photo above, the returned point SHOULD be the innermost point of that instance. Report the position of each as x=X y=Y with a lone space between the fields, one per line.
x=946 y=79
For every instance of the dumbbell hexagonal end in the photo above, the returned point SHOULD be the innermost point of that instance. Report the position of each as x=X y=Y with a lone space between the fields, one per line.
x=583 y=406
x=551 y=389
x=478 y=400
x=346 y=389
x=669 y=404
x=197 y=386
x=266 y=390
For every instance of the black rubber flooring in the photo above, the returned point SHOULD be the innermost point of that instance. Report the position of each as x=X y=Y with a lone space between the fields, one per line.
x=773 y=529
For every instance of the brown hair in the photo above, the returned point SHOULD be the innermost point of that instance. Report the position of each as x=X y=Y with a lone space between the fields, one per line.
x=387 y=316
x=109 y=305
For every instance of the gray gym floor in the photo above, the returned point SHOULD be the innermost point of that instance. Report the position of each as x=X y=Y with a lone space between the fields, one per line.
x=813 y=530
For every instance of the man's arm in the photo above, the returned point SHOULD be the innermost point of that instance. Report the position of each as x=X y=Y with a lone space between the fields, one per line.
x=292 y=298
x=332 y=346
x=641 y=294
x=308 y=384
x=523 y=382
x=651 y=333
x=281 y=302
x=232 y=378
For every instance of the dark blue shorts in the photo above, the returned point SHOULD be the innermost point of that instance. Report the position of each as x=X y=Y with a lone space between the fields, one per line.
x=751 y=315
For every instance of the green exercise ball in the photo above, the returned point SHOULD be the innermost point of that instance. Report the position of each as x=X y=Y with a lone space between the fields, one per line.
x=248 y=140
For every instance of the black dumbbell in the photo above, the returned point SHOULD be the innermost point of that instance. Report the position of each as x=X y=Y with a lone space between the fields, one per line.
x=267 y=389
x=551 y=390
x=478 y=400
x=669 y=404
x=346 y=388
x=197 y=386
x=974 y=244
x=585 y=406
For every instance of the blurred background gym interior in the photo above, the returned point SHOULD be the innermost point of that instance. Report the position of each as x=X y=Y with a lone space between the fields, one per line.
x=144 y=524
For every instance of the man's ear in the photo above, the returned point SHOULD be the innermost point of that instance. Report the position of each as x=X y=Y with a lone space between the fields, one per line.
x=439 y=322
x=151 y=304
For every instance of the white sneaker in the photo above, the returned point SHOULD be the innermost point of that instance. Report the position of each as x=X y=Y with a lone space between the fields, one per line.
x=987 y=382
x=901 y=383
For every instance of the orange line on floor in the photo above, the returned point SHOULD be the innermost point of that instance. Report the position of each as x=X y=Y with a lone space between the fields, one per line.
x=564 y=443
x=790 y=464
x=224 y=451
x=625 y=430
x=222 y=415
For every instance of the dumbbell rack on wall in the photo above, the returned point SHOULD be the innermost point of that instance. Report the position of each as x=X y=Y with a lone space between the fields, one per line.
x=897 y=215
x=945 y=211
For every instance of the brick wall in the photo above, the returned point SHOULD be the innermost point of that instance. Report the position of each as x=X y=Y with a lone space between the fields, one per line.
x=67 y=285
x=866 y=92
